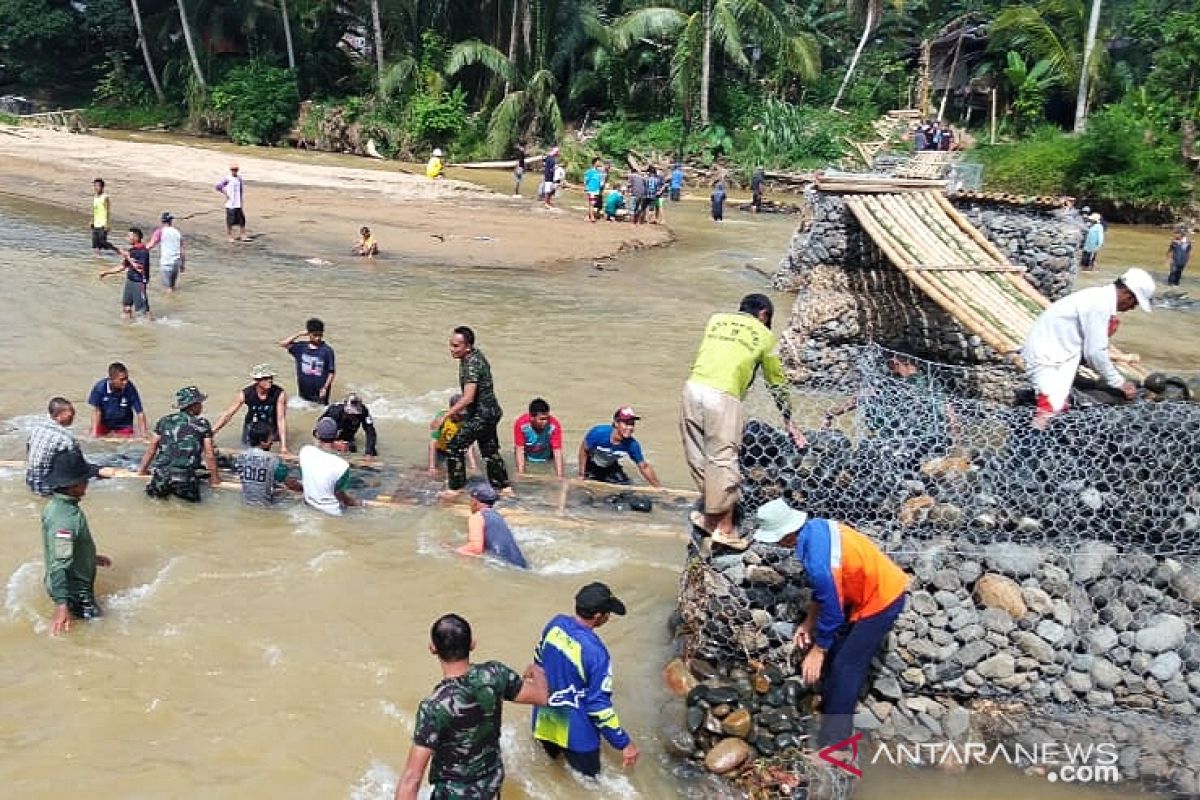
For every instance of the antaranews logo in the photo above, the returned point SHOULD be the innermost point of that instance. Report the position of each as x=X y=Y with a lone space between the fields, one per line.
x=827 y=754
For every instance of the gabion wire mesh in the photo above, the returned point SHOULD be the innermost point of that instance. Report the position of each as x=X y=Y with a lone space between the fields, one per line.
x=1054 y=571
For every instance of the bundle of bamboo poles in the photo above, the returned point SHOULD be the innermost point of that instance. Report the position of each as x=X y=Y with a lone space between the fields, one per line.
x=863 y=184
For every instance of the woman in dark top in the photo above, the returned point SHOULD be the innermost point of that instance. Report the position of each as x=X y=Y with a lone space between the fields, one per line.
x=264 y=401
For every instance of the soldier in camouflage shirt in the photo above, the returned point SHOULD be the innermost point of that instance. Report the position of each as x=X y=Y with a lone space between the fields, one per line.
x=180 y=441
x=458 y=725
x=481 y=415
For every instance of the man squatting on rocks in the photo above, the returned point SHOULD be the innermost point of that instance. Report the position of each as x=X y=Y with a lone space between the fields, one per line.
x=711 y=417
x=578 y=669
x=458 y=724
x=69 y=551
x=481 y=412
x=857 y=594
x=1077 y=327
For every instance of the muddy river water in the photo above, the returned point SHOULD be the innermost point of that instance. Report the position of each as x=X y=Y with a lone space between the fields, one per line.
x=257 y=653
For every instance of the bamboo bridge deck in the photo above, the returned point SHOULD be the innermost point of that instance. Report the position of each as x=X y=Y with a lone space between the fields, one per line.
x=949 y=260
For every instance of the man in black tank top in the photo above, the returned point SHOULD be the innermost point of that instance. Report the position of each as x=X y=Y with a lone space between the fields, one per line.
x=265 y=402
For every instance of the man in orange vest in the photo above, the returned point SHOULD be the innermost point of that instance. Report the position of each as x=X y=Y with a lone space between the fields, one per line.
x=857 y=594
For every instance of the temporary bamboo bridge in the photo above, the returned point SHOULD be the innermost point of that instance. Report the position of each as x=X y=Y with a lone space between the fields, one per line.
x=947 y=258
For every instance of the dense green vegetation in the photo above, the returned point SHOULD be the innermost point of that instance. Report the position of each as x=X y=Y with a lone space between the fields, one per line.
x=744 y=82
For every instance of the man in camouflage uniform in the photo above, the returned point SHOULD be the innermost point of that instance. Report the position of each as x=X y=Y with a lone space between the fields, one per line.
x=481 y=415
x=67 y=544
x=458 y=725
x=180 y=441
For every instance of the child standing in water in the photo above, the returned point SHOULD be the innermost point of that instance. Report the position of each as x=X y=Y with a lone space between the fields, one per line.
x=718 y=201
x=366 y=245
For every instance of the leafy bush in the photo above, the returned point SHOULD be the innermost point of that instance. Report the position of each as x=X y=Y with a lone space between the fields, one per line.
x=8 y=119
x=258 y=101
x=1039 y=164
x=617 y=137
x=132 y=118
x=436 y=119
x=1125 y=160
x=788 y=136
x=121 y=85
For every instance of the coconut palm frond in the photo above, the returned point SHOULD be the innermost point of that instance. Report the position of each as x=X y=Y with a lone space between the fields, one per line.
x=504 y=126
x=474 y=52
x=727 y=33
x=800 y=56
x=397 y=76
x=646 y=23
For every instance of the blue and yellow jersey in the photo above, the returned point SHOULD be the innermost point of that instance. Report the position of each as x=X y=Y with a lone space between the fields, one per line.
x=851 y=578
x=579 y=675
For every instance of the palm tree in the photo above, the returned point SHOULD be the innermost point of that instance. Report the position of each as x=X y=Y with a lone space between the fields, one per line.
x=528 y=109
x=191 y=46
x=378 y=29
x=287 y=35
x=1089 y=44
x=726 y=24
x=145 y=45
x=873 y=13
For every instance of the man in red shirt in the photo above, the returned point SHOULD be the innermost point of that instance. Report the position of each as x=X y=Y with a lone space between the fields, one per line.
x=538 y=438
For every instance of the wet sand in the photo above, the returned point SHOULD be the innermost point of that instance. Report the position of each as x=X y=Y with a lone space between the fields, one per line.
x=312 y=210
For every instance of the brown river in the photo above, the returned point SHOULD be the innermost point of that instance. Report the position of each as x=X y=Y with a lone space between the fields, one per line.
x=261 y=653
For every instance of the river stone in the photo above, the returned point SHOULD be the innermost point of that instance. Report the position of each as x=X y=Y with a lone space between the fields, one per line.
x=923 y=603
x=1087 y=562
x=1037 y=600
x=1186 y=584
x=702 y=669
x=1164 y=632
x=1034 y=646
x=738 y=724
x=695 y=718
x=1051 y=631
x=969 y=572
x=947 y=580
x=1091 y=498
x=1078 y=682
x=972 y=653
x=998 y=666
x=956 y=723
x=1013 y=559
x=1166 y=666
x=722 y=695
x=763 y=576
x=678 y=678
x=1105 y=674
x=727 y=755
x=1002 y=592
x=887 y=686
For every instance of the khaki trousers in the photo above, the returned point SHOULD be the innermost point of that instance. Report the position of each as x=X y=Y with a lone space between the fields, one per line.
x=710 y=423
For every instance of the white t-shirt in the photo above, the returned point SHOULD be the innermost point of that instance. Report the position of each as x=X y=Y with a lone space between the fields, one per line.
x=170 y=246
x=320 y=472
x=232 y=187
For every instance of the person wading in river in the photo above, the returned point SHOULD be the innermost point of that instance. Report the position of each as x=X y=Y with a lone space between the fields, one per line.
x=315 y=361
x=135 y=263
x=324 y=474
x=100 y=218
x=458 y=725
x=350 y=415
x=47 y=440
x=264 y=402
x=1179 y=252
x=170 y=255
x=181 y=440
x=487 y=531
x=234 y=190
x=481 y=415
x=1077 y=328
x=732 y=350
x=116 y=405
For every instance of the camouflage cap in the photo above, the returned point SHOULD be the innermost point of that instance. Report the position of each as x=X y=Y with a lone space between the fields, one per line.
x=262 y=371
x=189 y=395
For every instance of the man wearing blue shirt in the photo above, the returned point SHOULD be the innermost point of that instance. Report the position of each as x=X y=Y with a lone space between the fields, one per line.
x=579 y=681
x=601 y=450
x=593 y=186
x=115 y=404
x=676 y=182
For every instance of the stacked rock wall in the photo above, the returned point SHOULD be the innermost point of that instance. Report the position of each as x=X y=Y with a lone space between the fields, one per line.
x=848 y=294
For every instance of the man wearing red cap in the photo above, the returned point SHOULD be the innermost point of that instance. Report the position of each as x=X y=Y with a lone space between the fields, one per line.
x=601 y=451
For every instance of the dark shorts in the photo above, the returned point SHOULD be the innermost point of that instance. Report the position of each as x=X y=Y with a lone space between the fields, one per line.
x=100 y=239
x=756 y=200
x=610 y=474
x=235 y=216
x=1089 y=260
x=584 y=763
x=675 y=195
x=135 y=297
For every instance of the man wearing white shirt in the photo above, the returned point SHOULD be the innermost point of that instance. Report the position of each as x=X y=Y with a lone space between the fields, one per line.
x=235 y=215
x=170 y=253
x=325 y=475
x=1077 y=328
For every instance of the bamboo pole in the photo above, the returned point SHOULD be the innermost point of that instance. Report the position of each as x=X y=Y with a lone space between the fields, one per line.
x=992 y=139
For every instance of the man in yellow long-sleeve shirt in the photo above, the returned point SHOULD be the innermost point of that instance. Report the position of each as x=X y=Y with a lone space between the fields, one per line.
x=732 y=350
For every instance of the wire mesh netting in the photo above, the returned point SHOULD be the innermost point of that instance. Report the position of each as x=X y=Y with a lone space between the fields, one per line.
x=1054 y=570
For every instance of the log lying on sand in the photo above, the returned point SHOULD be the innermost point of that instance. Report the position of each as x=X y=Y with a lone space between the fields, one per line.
x=510 y=164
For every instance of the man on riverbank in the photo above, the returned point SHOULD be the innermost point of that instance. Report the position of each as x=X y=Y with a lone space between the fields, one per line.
x=1077 y=328
x=732 y=350
x=458 y=725
x=1092 y=242
x=315 y=362
x=676 y=182
x=181 y=441
x=48 y=439
x=116 y=404
x=481 y=415
x=170 y=255
x=324 y=474
x=1179 y=252
x=601 y=451
x=593 y=186
x=264 y=402
x=547 y=187
x=235 y=212
x=487 y=530
x=537 y=437
x=857 y=594
x=350 y=415
x=579 y=710
x=67 y=546
x=100 y=219
x=756 y=190
x=135 y=263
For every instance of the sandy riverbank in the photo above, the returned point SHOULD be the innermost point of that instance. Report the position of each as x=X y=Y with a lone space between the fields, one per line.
x=309 y=209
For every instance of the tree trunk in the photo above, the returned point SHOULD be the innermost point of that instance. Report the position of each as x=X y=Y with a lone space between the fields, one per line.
x=953 y=69
x=1089 y=44
x=378 y=35
x=706 y=62
x=191 y=46
x=862 y=42
x=137 y=21
x=287 y=35
x=512 y=40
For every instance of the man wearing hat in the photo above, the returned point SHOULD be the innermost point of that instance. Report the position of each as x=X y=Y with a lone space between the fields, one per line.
x=235 y=213
x=1077 y=328
x=170 y=254
x=67 y=544
x=487 y=530
x=325 y=474
x=579 y=678
x=264 y=402
x=733 y=349
x=434 y=168
x=350 y=415
x=1092 y=242
x=857 y=594
x=181 y=440
x=601 y=451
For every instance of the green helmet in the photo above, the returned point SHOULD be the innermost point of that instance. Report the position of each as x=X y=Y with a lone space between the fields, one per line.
x=189 y=395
